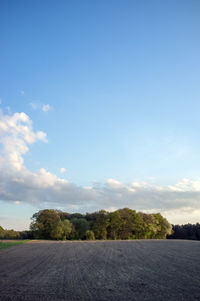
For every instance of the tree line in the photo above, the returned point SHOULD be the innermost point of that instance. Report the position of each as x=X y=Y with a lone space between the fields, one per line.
x=12 y=234
x=187 y=231
x=120 y=224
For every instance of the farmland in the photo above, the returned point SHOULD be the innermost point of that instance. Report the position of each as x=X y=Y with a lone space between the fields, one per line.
x=101 y=270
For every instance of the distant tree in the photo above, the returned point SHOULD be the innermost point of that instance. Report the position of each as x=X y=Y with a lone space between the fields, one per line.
x=67 y=229
x=115 y=225
x=187 y=231
x=76 y=215
x=198 y=231
x=130 y=223
x=57 y=232
x=47 y=224
x=100 y=225
x=2 y=233
x=178 y=232
x=44 y=223
x=26 y=235
x=81 y=226
x=163 y=227
x=11 y=234
x=63 y=215
x=90 y=235
x=121 y=224
x=148 y=228
x=91 y=218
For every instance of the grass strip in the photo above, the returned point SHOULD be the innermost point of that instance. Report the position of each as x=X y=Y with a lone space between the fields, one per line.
x=4 y=244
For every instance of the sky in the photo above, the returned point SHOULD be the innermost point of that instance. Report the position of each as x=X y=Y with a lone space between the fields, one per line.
x=99 y=108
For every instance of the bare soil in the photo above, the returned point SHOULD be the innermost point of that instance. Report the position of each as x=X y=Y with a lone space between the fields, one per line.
x=101 y=270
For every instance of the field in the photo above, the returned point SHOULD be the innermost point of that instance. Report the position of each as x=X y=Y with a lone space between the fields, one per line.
x=101 y=270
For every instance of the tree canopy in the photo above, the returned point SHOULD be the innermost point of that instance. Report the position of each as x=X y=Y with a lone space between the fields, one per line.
x=47 y=224
x=121 y=224
x=9 y=234
x=187 y=231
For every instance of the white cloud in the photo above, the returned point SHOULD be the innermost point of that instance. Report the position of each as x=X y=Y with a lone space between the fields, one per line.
x=186 y=185
x=112 y=183
x=62 y=170
x=138 y=184
x=22 y=92
x=38 y=106
x=46 y=108
x=34 y=105
x=16 y=134
x=44 y=189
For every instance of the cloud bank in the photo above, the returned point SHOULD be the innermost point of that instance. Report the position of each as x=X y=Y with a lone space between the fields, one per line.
x=179 y=202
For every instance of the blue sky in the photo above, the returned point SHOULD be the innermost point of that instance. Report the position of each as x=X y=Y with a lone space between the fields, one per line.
x=121 y=81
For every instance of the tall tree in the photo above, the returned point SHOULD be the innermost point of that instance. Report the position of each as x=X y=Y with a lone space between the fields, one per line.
x=130 y=225
x=115 y=225
x=47 y=224
x=2 y=233
x=81 y=226
x=100 y=225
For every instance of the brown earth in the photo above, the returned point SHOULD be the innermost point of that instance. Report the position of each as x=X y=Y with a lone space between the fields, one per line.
x=101 y=270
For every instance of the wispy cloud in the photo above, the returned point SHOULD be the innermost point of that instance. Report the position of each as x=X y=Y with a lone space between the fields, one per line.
x=22 y=92
x=38 y=106
x=62 y=170
x=34 y=105
x=46 y=108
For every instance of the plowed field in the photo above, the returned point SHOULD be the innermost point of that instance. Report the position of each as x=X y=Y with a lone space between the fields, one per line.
x=102 y=270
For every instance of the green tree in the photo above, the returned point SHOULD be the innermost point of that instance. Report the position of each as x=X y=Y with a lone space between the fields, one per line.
x=81 y=226
x=130 y=223
x=57 y=231
x=11 y=234
x=100 y=225
x=90 y=235
x=46 y=224
x=149 y=226
x=163 y=227
x=67 y=229
x=115 y=225
x=63 y=215
x=121 y=224
x=2 y=233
